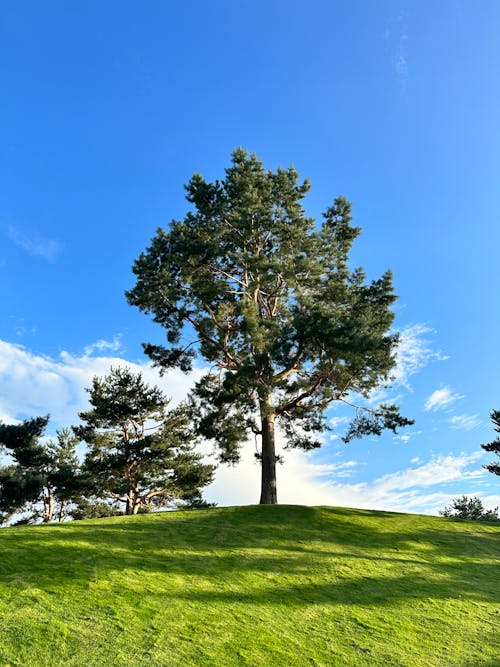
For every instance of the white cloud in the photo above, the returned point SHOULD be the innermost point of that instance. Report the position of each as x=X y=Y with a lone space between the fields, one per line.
x=406 y=437
x=114 y=345
x=421 y=489
x=465 y=422
x=437 y=471
x=7 y=419
x=335 y=422
x=440 y=399
x=413 y=353
x=35 y=385
x=338 y=470
x=35 y=244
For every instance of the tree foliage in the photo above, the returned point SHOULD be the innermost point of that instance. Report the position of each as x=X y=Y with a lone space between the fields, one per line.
x=43 y=479
x=139 y=454
x=94 y=508
x=269 y=300
x=469 y=508
x=494 y=445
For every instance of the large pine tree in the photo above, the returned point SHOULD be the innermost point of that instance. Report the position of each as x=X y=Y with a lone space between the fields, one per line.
x=268 y=299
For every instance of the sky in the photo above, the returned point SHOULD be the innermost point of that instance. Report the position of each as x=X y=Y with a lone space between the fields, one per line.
x=108 y=108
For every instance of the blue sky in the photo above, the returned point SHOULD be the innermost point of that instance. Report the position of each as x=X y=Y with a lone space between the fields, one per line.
x=107 y=108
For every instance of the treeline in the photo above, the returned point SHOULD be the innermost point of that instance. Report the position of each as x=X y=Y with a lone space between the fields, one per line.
x=139 y=456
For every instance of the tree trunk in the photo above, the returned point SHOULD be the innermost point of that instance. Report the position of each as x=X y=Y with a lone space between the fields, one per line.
x=48 y=506
x=136 y=501
x=130 y=503
x=268 y=494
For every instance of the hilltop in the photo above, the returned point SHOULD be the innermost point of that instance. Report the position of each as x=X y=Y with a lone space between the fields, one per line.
x=258 y=585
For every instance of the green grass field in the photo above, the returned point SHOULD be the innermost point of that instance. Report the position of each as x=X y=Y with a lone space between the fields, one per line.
x=260 y=585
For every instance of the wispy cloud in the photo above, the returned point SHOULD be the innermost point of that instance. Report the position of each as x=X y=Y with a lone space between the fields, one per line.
x=338 y=470
x=436 y=471
x=425 y=487
x=337 y=421
x=401 y=64
x=402 y=70
x=396 y=38
x=414 y=352
x=440 y=399
x=35 y=244
x=114 y=345
x=21 y=328
x=465 y=422
x=406 y=437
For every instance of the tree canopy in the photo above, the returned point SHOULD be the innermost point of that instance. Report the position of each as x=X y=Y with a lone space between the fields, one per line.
x=248 y=281
x=43 y=478
x=139 y=454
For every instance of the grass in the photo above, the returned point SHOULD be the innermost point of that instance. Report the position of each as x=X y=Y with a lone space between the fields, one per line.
x=260 y=585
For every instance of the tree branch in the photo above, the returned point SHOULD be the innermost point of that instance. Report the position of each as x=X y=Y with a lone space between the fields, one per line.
x=234 y=364
x=358 y=407
x=309 y=392
x=151 y=494
x=291 y=368
x=216 y=269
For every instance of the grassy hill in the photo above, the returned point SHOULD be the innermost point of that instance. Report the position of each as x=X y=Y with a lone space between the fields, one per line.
x=260 y=585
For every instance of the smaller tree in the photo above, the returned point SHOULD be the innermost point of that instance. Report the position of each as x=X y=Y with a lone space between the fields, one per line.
x=66 y=486
x=469 y=508
x=140 y=455
x=43 y=479
x=494 y=446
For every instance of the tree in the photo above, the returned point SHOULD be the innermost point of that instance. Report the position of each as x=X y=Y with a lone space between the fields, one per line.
x=43 y=479
x=494 y=446
x=270 y=302
x=65 y=485
x=469 y=508
x=139 y=454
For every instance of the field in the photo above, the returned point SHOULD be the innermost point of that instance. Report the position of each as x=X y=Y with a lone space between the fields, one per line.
x=259 y=585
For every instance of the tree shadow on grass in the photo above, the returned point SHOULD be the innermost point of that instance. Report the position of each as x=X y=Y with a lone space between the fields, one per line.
x=305 y=555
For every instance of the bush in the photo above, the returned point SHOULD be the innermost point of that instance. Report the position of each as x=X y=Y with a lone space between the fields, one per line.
x=469 y=508
x=94 y=508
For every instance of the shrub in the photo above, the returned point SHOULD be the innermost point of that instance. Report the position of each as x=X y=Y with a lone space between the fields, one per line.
x=469 y=508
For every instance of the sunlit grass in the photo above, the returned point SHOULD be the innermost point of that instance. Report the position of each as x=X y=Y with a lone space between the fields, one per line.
x=264 y=585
